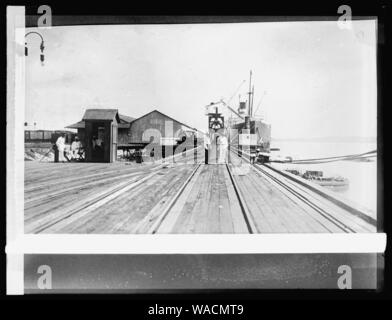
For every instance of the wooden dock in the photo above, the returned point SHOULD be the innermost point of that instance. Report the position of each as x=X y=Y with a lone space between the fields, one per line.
x=121 y=198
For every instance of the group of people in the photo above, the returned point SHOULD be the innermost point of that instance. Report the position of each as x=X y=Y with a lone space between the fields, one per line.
x=75 y=151
x=222 y=148
x=222 y=145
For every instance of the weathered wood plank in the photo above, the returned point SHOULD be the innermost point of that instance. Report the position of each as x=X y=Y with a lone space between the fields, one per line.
x=188 y=196
x=237 y=218
x=276 y=210
x=76 y=198
x=122 y=214
x=341 y=215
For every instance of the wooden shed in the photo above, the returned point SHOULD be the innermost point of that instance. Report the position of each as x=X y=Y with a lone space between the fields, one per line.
x=157 y=125
x=129 y=133
x=100 y=134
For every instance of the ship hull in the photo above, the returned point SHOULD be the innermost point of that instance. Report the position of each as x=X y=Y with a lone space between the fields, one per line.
x=262 y=131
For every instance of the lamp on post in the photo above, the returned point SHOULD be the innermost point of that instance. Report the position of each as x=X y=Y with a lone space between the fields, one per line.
x=42 y=47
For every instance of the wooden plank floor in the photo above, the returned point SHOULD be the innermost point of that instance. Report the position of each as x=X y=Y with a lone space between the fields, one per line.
x=126 y=212
x=122 y=198
x=276 y=210
x=57 y=195
x=53 y=189
x=208 y=205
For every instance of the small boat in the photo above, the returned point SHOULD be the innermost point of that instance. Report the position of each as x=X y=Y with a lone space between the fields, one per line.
x=318 y=178
x=294 y=171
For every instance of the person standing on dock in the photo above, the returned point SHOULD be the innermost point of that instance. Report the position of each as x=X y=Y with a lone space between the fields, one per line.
x=207 y=143
x=252 y=156
x=223 y=146
x=60 y=144
x=257 y=154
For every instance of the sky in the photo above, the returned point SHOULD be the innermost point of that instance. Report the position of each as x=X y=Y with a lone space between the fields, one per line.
x=311 y=79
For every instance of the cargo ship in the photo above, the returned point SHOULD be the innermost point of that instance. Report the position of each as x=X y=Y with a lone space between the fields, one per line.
x=251 y=127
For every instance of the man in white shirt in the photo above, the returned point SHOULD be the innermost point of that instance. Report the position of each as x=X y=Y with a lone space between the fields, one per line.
x=223 y=145
x=60 y=144
x=207 y=143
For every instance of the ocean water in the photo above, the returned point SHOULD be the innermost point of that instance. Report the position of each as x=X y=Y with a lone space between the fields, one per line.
x=362 y=176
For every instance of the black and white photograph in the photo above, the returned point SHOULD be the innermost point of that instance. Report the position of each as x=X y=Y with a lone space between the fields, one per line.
x=195 y=134
x=214 y=128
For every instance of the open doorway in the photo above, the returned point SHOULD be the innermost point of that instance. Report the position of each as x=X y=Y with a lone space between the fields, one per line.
x=98 y=142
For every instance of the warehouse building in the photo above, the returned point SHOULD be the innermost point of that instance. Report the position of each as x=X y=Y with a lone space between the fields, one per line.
x=113 y=131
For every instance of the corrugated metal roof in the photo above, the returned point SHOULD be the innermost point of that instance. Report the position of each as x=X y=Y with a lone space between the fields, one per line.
x=126 y=119
x=183 y=124
x=77 y=125
x=124 y=122
x=100 y=114
x=109 y=114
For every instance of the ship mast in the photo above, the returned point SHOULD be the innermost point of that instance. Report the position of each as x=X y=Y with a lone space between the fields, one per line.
x=250 y=94
x=253 y=97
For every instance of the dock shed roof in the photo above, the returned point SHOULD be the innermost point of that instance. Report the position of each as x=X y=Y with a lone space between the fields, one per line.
x=123 y=120
x=164 y=115
x=101 y=114
x=77 y=125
